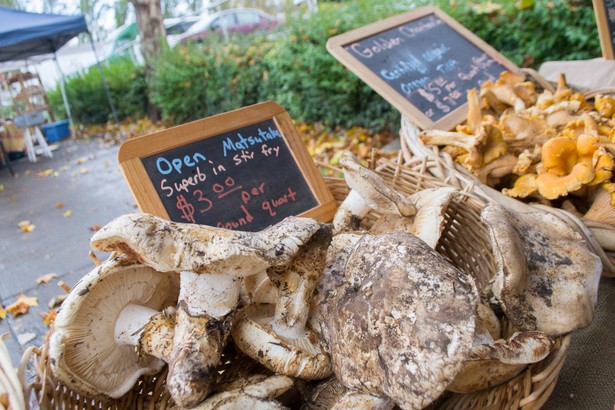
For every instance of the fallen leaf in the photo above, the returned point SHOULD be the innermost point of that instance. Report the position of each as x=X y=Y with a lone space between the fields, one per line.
x=49 y=316
x=26 y=226
x=1 y=187
x=95 y=228
x=64 y=168
x=68 y=214
x=13 y=197
x=46 y=278
x=84 y=171
x=59 y=205
x=22 y=305
x=2 y=312
x=82 y=160
x=45 y=173
x=56 y=301
x=24 y=338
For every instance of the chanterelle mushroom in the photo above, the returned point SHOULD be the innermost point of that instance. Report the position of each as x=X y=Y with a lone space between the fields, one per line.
x=212 y=262
x=547 y=279
x=281 y=341
x=108 y=333
x=397 y=317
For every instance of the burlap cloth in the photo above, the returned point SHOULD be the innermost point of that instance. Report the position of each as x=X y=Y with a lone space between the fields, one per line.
x=587 y=380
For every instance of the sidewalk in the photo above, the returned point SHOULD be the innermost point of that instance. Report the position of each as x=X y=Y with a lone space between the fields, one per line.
x=64 y=197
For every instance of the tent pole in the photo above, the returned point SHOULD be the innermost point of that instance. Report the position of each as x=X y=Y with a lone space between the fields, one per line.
x=104 y=80
x=63 y=90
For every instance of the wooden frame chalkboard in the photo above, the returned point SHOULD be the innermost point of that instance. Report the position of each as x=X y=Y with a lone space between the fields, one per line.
x=605 y=19
x=423 y=62
x=244 y=170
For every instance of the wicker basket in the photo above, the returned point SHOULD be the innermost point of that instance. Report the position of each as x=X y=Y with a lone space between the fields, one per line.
x=465 y=242
x=443 y=167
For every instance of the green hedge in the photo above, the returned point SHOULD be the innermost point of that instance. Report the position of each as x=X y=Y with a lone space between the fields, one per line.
x=88 y=100
x=293 y=67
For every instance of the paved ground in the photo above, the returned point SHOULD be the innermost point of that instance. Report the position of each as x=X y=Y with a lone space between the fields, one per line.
x=85 y=178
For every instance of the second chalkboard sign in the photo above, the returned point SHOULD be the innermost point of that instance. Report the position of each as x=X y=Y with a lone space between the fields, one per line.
x=605 y=19
x=243 y=170
x=423 y=62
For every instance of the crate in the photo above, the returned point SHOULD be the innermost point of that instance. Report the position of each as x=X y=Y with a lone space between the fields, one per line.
x=56 y=131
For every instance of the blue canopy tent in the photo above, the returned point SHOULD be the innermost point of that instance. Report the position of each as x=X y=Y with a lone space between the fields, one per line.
x=24 y=35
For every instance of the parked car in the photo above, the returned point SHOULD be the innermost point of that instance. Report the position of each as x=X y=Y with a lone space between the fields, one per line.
x=124 y=40
x=229 y=21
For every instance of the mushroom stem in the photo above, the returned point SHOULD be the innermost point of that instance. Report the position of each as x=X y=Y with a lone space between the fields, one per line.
x=197 y=349
x=296 y=286
x=351 y=211
x=222 y=293
x=148 y=329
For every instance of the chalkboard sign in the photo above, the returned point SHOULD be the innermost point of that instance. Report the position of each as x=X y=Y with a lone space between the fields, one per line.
x=605 y=19
x=242 y=170
x=423 y=62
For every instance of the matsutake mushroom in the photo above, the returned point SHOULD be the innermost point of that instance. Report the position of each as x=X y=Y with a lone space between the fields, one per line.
x=415 y=213
x=494 y=360
x=397 y=318
x=257 y=396
x=546 y=279
x=278 y=337
x=212 y=263
x=368 y=191
x=114 y=326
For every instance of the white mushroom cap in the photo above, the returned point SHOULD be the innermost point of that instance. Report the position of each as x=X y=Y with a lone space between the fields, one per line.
x=493 y=363
x=547 y=279
x=398 y=319
x=368 y=191
x=429 y=221
x=83 y=351
x=171 y=246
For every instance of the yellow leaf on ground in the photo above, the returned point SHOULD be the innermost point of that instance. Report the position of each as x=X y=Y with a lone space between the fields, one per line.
x=59 y=205
x=46 y=278
x=22 y=305
x=2 y=312
x=1 y=187
x=84 y=171
x=49 y=317
x=26 y=226
x=68 y=214
x=45 y=173
x=82 y=160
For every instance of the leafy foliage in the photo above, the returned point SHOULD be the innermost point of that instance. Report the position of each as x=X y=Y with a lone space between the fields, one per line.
x=202 y=80
x=532 y=32
x=87 y=97
x=293 y=67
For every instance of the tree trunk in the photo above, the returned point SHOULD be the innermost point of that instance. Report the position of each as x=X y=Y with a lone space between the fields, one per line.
x=152 y=38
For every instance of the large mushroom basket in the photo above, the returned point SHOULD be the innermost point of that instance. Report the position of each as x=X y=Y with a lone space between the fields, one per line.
x=503 y=349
